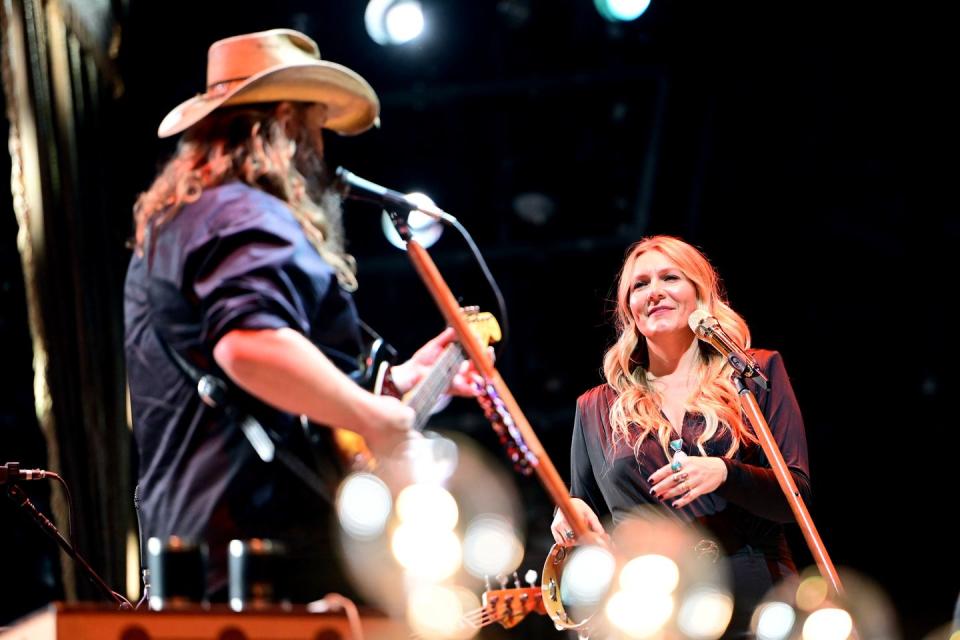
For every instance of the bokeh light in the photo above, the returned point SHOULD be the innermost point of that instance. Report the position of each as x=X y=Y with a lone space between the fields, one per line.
x=491 y=547
x=435 y=611
x=828 y=624
x=363 y=505
x=705 y=613
x=427 y=506
x=587 y=576
x=650 y=575
x=672 y=583
x=806 y=607
x=426 y=552
x=641 y=618
x=451 y=520
x=774 y=621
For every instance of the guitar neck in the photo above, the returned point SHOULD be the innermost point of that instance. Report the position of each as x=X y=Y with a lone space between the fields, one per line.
x=428 y=391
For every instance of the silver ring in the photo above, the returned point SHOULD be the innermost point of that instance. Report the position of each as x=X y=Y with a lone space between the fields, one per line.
x=571 y=535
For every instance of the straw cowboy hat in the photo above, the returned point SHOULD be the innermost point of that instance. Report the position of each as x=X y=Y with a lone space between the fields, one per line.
x=276 y=65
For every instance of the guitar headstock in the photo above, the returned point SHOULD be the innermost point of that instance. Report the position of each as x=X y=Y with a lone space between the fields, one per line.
x=510 y=606
x=483 y=324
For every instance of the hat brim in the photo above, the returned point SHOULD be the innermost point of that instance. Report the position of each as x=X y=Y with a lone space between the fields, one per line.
x=352 y=104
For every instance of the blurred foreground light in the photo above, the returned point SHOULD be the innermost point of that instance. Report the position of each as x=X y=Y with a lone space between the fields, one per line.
x=639 y=618
x=427 y=553
x=621 y=10
x=812 y=593
x=435 y=611
x=775 y=621
x=491 y=547
x=424 y=229
x=363 y=506
x=391 y=22
x=587 y=576
x=427 y=506
x=705 y=614
x=806 y=607
x=828 y=624
x=650 y=574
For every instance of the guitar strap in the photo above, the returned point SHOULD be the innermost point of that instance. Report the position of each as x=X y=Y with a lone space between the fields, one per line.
x=269 y=446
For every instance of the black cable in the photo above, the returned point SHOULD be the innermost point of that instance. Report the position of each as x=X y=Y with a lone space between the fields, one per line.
x=66 y=490
x=501 y=304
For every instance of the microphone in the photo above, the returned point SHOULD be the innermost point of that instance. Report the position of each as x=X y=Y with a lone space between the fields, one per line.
x=11 y=472
x=350 y=185
x=709 y=330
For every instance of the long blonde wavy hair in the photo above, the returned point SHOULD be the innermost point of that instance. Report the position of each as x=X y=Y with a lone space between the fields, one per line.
x=624 y=365
x=268 y=146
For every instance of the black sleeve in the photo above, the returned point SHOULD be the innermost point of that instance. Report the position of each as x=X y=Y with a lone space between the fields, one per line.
x=254 y=276
x=753 y=485
x=583 y=482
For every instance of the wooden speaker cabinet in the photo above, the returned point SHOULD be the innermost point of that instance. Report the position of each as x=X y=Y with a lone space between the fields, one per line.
x=94 y=622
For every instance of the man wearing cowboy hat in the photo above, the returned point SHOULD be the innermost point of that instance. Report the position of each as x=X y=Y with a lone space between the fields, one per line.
x=240 y=276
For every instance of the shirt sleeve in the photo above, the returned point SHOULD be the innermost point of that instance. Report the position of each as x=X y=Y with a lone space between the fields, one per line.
x=257 y=273
x=751 y=483
x=583 y=482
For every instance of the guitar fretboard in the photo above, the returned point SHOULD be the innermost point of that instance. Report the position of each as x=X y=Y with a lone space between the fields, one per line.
x=429 y=390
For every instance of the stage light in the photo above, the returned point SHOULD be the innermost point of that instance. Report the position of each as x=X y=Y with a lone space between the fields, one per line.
x=392 y=22
x=424 y=229
x=621 y=10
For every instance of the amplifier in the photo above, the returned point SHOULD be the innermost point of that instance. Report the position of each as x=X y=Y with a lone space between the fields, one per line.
x=95 y=622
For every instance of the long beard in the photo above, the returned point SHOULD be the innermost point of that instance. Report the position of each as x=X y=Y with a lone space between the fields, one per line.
x=318 y=183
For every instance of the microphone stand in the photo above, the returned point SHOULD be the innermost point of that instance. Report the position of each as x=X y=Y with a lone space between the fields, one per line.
x=448 y=306
x=749 y=403
x=20 y=498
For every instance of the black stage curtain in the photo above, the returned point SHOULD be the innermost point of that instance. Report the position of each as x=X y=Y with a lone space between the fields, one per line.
x=61 y=95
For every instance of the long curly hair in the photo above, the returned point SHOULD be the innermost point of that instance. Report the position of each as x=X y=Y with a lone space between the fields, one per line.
x=268 y=146
x=625 y=363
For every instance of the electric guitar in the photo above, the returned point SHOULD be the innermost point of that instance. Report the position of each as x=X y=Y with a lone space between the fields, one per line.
x=355 y=454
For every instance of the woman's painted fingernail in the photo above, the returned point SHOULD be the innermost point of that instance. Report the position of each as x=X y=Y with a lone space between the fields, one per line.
x=653 y=492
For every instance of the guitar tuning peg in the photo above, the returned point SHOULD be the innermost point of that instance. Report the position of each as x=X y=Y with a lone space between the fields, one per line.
x=486 y=582
x=530 y=577
x=502 y=579
x=516 y=580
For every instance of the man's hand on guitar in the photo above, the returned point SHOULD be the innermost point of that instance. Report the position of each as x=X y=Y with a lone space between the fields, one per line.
x=389 y=424
x=407 y=375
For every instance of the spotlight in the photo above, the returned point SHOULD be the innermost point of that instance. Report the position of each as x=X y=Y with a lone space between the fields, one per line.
x=394 y=21
x=424 y=229
x=621 y=10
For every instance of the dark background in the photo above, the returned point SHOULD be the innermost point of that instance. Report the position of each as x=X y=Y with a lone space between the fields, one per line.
x=800 y=146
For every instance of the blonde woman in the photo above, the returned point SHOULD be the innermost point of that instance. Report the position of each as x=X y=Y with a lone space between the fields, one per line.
x=666 y=391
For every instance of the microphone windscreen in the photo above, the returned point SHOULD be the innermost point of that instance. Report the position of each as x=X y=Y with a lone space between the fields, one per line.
x=697 y=318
